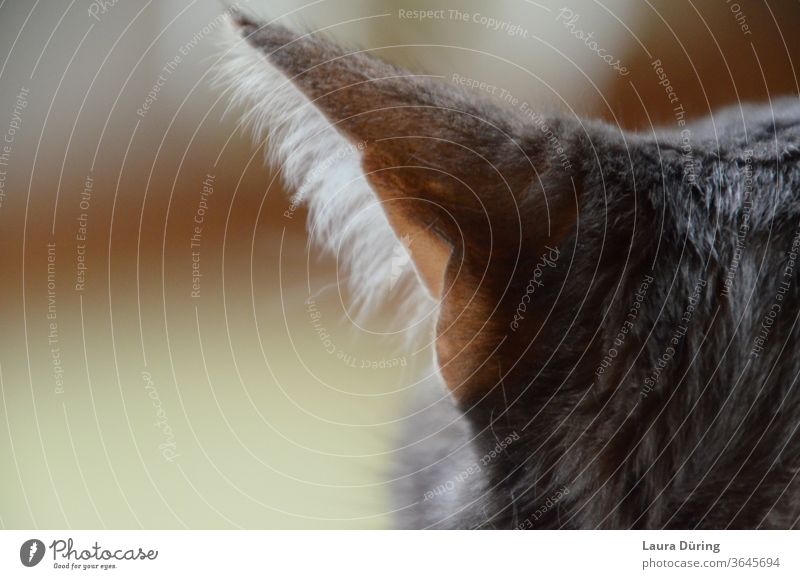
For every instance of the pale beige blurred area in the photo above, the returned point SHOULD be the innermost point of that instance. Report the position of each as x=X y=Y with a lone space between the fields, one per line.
x=131 y=402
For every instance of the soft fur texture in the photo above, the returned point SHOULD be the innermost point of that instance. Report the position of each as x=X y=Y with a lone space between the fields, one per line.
x=692 y=422
x=324 y=169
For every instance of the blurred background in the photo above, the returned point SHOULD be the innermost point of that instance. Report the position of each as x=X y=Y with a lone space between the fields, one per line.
x=173 y=353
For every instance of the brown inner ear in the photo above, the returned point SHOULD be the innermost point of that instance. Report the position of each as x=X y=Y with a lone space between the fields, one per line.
x=429 y=253
x=450 y=181
x=411 y=203
x=417 y=205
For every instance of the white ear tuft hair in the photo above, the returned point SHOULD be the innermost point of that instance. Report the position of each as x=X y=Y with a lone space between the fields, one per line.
x=325 y=170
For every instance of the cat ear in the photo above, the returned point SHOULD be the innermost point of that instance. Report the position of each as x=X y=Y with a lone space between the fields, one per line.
x=387 y=159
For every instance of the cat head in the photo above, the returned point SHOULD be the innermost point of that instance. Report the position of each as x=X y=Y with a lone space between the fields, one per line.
x=566 y=269
x=480 y=198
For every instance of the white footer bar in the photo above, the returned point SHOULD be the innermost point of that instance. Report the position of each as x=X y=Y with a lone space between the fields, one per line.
x=401 y=554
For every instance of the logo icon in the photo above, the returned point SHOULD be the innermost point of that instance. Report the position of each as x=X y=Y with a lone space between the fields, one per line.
x=31 y=552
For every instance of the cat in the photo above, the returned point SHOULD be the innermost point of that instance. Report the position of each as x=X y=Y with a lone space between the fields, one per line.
x=613 y=314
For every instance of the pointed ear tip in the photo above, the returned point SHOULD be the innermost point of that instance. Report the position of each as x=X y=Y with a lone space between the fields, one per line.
x=257 y=31
x=241 y=20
